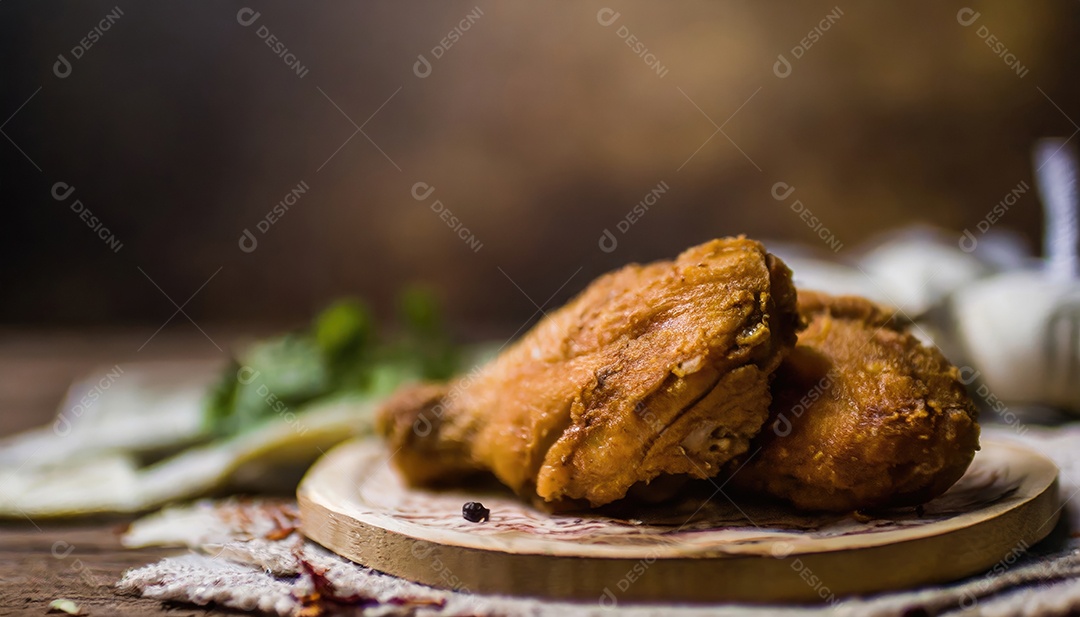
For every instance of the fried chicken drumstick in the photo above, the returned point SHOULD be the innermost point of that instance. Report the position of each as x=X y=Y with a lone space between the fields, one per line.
x=653 y=369
x=863 y=415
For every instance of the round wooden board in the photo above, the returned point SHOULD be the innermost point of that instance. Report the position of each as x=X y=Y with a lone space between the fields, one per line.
x=705 y=548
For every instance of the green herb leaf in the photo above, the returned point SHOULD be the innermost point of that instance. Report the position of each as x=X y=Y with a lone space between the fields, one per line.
x=340 y=354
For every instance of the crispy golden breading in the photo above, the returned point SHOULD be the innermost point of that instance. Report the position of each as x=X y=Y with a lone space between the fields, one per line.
x=654 y=369
x=863 y=415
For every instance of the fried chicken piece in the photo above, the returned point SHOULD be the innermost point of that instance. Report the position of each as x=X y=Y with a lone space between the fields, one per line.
x=655 y=369
x=863 y=415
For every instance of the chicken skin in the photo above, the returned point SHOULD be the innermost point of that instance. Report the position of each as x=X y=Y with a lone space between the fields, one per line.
x=658 y=369
x=863 y=415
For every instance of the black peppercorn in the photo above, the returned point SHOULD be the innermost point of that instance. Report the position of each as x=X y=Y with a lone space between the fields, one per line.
x=475 y=512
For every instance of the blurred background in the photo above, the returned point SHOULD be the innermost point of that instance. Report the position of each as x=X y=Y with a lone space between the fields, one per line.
x=484 y=148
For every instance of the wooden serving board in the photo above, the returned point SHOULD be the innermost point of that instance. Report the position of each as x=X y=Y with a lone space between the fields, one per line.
x=710 y=546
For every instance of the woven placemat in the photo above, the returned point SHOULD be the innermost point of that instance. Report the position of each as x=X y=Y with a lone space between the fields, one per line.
x=248 y=555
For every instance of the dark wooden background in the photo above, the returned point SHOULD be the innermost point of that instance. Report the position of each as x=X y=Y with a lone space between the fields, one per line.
x=539 y=129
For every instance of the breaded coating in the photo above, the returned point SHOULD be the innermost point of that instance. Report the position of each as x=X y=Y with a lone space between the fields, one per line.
x=655 y=369
x=863 y=416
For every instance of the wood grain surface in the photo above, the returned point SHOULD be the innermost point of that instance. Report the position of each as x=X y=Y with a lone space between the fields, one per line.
x=80 y=560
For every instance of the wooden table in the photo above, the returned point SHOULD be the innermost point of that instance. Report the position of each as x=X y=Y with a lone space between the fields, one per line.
x=80 y=560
